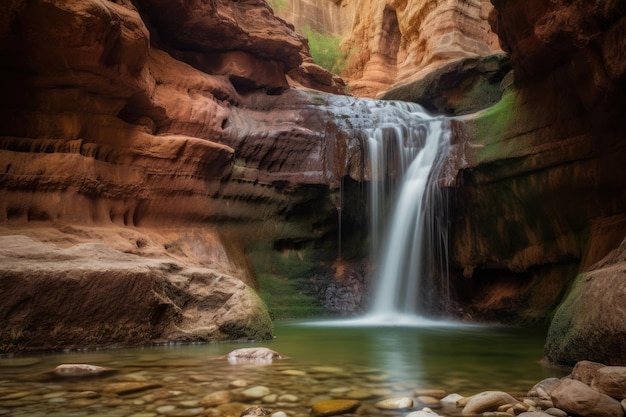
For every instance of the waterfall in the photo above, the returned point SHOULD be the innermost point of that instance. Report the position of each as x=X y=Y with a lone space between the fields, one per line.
x=402 y=160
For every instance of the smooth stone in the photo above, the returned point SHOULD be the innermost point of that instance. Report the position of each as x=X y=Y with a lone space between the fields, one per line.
x=429 y=401
x=611 y=380
x=256 y=393
x=270 y=399
x=535 y=414
x=124 y=388
x=496 y=414
x=189 y=404
x=253 y=355
x=165 y=408
x=398 y=403
x=451 y=399
x=424 y=412
x=436 y=393
x=279 y=414
x=230 y=410
x=70 y=370
x=143 y=415
x=216 y=398
x=556 y=412
x=584 y=371
x=293 y=372
x=333 y=407
x=288 y=398
x=487 y=401
x=624 y=405
x=327 y=369
x=543 y=388
x=82 y=394
x=238 y=383
x=359 y=394
x=576 y=397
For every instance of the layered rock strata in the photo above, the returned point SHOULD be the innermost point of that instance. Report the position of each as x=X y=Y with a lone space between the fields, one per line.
x=101 y=130
x=393 y=43
x=534 y=195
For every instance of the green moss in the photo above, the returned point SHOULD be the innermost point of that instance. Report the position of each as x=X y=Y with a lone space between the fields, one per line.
x=492 y=126
x=326 y=50
x=282 y=277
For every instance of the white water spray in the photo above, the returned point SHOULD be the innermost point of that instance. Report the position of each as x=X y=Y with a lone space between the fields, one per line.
x=408 y=153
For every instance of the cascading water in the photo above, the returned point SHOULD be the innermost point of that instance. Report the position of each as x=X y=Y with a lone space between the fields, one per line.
x=405 y=145
x=409 y=153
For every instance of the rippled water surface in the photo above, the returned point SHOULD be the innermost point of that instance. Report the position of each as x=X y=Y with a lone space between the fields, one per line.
x=363 y=362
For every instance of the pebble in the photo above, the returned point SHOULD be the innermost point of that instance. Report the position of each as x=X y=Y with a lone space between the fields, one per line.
x=255 y=393
x=424 y=412
x=333 y=407
x=399 y=403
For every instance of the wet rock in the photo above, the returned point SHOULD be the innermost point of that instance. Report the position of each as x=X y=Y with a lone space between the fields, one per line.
x=585 y=371
x=399 y=403
x=542 y=389
x=238 y=383
x=424 y=412
x=436 y=393
x=575 y=397
x=359 y=394
x=252 y=355
x=333 y=407
x=487 y=401
x=534 y=414
x=611 y=380
x=556 y=412
x=216 y=398
x=451 y=398
x=288 y=398
x=70 y=370
x=255 y=412
x=428 y=401
x=255 y=393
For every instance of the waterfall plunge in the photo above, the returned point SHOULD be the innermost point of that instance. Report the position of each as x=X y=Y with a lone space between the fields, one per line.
x=404 y=154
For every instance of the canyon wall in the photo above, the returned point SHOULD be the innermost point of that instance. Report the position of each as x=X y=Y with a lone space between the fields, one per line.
x=132 y=151
x=390 y=43
x=537 y=198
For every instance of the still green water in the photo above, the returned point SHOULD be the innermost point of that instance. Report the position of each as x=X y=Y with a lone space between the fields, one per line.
x=323 y=362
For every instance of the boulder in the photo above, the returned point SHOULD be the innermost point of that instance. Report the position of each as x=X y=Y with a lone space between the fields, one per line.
x=542 y=389
x=585 y=371
x=575 y=397
x=611 y=380
x=584 y=327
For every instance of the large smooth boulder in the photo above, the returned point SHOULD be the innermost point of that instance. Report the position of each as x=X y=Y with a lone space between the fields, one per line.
x=578 y=398
x=591 y=322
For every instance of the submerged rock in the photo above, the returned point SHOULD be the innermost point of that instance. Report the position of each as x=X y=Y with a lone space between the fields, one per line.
x=71 y=370
x=333 y=407
x=258 y=355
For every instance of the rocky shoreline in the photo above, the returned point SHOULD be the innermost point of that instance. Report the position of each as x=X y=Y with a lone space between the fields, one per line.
x=260 y=382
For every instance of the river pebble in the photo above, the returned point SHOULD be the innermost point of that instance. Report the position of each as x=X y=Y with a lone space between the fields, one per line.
x=150 y=387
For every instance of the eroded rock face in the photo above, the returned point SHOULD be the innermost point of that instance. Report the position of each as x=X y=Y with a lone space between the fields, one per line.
x=393 y=43
x=68 y=291
x=535 y=199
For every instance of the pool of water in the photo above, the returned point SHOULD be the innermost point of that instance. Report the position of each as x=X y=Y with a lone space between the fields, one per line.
x=323 y=361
